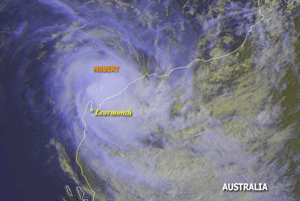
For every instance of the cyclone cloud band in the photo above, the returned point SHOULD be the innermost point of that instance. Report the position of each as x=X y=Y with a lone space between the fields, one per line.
x=198 y=79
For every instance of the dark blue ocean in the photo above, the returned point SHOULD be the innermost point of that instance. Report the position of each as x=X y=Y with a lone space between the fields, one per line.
x=213 y=87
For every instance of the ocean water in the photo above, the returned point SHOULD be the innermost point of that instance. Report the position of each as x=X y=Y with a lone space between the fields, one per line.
x=213 y=87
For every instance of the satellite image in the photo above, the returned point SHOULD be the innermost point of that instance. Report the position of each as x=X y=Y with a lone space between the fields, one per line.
x=150 y=100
